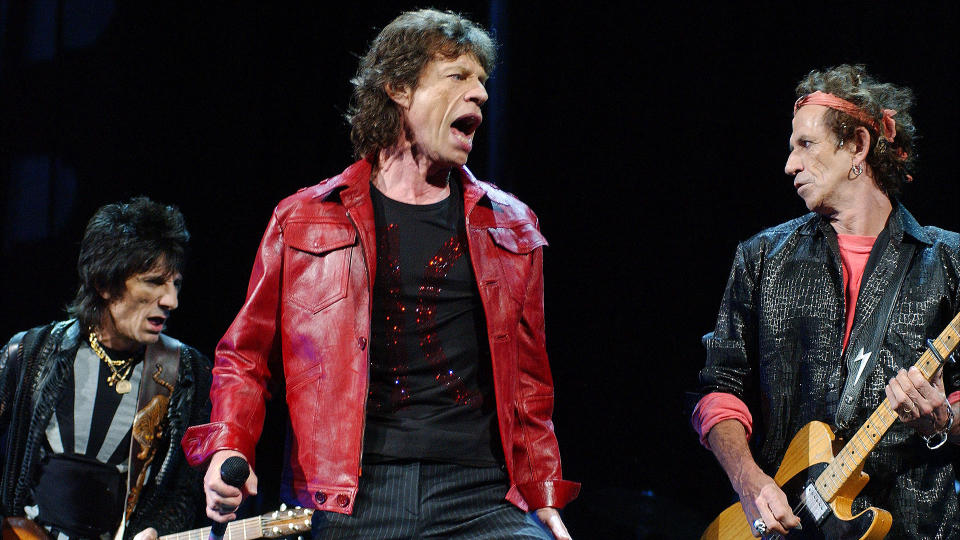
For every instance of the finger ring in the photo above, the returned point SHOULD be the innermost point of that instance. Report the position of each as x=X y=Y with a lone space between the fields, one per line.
x=907 y=410
x=760 y=526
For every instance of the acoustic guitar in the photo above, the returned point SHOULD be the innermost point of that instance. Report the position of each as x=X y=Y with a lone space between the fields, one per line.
x=821 y=476
x=283 y=522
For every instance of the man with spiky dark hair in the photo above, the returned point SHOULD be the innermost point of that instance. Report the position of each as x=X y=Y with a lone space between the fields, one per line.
x=89 y=406
x=404 y=300
x=822 y=321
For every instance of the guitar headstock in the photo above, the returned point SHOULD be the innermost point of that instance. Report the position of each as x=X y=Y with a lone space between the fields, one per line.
x=286 y=521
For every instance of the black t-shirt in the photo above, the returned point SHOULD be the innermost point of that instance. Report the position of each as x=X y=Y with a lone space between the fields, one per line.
x=431 y=385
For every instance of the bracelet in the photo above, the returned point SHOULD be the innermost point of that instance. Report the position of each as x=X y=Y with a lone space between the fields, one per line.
x=940 y=437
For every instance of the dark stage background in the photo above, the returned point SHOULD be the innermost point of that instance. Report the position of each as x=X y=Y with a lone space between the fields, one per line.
x=649 y=141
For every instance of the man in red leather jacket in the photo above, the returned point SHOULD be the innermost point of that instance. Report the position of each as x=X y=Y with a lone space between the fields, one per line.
x=403 y=301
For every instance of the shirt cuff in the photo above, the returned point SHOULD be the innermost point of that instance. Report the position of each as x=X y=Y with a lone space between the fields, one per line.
x=716 y=407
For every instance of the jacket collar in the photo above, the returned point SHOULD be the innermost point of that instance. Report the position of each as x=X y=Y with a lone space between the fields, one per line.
x=71 y=337
x=352 y=186
x=900 y=223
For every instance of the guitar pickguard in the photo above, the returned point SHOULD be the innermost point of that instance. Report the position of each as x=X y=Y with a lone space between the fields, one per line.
x=830 y=527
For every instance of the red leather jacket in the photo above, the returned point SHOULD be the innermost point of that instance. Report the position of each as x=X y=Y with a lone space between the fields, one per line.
x=309 y=302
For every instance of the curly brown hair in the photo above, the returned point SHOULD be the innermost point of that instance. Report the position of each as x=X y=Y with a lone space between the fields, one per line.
x=396 y=58
x=891 y=162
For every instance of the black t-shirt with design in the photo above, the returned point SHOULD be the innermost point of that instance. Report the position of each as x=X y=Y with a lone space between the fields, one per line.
x=431 y=387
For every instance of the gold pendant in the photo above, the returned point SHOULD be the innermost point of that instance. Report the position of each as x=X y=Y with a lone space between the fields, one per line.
x=123 y=386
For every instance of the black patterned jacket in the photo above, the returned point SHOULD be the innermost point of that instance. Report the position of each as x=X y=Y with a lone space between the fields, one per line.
x=777 y=346
x=172 y=497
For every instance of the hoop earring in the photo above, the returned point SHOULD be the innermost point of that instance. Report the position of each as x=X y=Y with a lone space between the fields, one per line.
x=857 y=169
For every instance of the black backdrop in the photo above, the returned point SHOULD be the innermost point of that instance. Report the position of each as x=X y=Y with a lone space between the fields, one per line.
x=649 y=140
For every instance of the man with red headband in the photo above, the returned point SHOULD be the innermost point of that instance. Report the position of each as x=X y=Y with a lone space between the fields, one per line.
x=823 y=317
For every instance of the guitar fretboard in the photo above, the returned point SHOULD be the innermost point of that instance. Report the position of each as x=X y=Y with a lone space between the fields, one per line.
x=284 y=522
x=243 y=529
x=853 y=454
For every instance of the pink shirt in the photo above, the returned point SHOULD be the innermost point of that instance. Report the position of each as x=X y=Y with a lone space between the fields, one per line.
x=854 y=253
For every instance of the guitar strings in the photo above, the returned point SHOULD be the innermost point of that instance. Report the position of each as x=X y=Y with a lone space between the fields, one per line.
x=777 y=536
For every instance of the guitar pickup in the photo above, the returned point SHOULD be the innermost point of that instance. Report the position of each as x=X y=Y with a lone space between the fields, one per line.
x=815 y=504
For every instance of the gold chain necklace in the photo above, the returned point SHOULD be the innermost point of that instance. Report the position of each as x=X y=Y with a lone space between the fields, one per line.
x=120 y=368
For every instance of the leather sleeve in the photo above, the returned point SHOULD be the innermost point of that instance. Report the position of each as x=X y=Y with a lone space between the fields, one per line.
x=8 y=383
x=536 y=455
x=729 y=348
x=8 y=389
x=243 y=362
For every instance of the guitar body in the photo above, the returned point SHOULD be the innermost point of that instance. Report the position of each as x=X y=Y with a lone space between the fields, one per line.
x=809 y=453
x=21 y=528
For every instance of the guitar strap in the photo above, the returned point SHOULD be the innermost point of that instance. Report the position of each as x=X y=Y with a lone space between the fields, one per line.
x=861 y=364
x=161 y=363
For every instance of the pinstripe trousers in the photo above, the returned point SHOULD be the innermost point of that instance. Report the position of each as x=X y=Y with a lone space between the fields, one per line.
x=399 y=501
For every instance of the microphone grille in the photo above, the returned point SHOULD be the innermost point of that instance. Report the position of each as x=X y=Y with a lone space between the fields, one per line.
x=234 y=471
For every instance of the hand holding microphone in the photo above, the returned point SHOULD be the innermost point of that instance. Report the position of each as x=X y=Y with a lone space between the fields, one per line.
x=225 y=485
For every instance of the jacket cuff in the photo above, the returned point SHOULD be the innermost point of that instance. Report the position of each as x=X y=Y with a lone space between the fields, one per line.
x=202 y=441
x=552 y=493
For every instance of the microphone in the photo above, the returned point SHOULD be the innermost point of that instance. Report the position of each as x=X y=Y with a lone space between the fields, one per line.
x=234 y=472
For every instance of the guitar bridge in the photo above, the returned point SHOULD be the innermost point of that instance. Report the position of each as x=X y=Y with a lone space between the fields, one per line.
x=815 y=504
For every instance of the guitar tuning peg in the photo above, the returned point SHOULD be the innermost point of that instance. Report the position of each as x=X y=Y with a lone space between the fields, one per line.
x=283 y=507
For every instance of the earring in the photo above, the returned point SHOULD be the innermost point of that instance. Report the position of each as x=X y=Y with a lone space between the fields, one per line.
x=857 y=169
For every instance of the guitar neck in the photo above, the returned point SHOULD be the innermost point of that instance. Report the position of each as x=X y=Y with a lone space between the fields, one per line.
x=244 y=529
x=853 y=454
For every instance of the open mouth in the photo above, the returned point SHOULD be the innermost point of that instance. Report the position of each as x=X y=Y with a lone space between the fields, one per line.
x=156 y=323
x=465 y=126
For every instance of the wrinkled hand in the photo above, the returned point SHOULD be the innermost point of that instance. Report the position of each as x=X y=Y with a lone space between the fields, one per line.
x=147 y=534
x=762 y=498
x=920 y=404
x=223 y=499
x=551 y=518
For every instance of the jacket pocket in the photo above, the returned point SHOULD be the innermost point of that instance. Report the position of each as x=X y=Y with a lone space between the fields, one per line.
x=310 y=374
x=520 y=239
x=515 y=244
x=316 y=268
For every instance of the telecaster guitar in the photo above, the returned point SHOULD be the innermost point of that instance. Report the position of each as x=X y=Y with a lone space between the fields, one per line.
x=821 y=479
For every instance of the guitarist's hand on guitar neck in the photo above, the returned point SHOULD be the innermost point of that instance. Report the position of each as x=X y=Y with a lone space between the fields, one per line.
x=920 y=404
x=222 y=498
x=759 y=495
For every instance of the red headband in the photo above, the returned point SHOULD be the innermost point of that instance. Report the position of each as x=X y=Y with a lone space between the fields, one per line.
x=887 y=128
